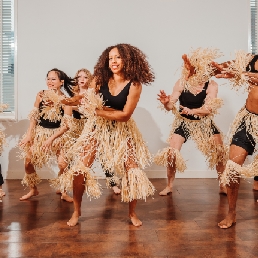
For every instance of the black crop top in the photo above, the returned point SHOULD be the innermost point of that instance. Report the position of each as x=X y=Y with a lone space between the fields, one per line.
x=117 y=102
x=189 y=100
x=46 y=123
x=250 y=66
x=77 y=114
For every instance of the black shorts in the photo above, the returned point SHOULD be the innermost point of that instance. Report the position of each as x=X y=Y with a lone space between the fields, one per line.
x=244 y=139
x=181 y=131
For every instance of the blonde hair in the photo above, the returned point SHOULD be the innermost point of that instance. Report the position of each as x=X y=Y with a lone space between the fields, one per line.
x=88 y=74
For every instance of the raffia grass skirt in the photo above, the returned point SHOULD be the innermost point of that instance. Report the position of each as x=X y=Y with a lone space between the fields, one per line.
x=2 y=141
x=40 y=157
x=114 y=144
x=233 y=170
x=201 y=132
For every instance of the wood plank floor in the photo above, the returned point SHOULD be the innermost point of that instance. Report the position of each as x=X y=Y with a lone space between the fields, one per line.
x=182 y=224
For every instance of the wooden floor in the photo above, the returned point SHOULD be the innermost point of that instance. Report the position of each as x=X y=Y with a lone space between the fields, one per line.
x=182 y=224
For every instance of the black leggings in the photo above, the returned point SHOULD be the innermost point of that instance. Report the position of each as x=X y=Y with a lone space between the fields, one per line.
x=1 y=177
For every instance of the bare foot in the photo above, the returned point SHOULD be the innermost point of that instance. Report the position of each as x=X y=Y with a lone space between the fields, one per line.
x=223 y=190
x=229 y=221
x=116 y=190
x=2 y=194
x=66 y=197
x=73 y=220
x=134 y=219
x=29 y=195
x=255 y=185
x=166 y=191
x=58 y=192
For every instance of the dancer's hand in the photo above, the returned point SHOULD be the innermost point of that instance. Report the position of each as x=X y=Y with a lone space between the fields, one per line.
x=220 y=70
x=47 y=144
x=163 y=97
x=74 y=101
x=186 y=110
x=25 y=141
x=188 y=66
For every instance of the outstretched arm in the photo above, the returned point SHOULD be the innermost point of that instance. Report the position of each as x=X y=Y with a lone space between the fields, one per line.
x=169 y=100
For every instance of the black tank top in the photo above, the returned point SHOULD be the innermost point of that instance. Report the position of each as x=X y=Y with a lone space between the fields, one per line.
x=250 y=66
x=117 y=102
x=46 y=123
x=77 y=114
x=189 y=100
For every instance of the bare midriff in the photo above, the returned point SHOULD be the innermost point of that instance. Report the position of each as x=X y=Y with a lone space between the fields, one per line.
x=252 y=99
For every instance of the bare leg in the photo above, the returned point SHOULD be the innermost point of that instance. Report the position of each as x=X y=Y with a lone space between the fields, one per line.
x=79 y=185
x=29 y=169
x=238 y=155
x=176 y=142
x=62 y=164
x=133 y=217
x=78 y=190
x=220 y=166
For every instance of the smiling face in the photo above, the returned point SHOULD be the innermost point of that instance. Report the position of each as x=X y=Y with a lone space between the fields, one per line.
x=115 y=61
x=82 y=79
x=53 y=81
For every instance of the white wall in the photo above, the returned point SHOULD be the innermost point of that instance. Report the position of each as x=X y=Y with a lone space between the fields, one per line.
x=71 y=34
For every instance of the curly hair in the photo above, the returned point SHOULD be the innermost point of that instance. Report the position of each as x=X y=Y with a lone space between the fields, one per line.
x=135 y=65
x=88 y=74
x=69 y=82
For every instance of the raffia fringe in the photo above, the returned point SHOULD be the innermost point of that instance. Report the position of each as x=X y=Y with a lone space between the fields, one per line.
x=200 y=131
x=34 y=114
x=2 y=142
x=90 y=102
x=136 y=185
x=166 y=156
x=52 y=106
x=231 y=173
x=111 y=180
x=114 y=143
x=3 y=107
x=39 y=156
x=65 y=181
x=30 y=180
x=251 y=124
x=201 y=59
x=237 y=67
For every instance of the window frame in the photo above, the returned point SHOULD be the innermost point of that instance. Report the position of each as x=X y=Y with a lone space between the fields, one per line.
x=13 y=115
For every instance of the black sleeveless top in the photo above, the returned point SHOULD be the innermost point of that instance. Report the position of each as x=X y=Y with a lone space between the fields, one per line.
x=117 y=102
x=77 y=114
x=189 y=100
x=46 y=123
x=250 y=66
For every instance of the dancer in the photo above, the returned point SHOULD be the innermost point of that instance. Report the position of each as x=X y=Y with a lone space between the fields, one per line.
x=110 y=134
x=243 y=137
x=2 y=142
x=45 y=120
x=197 y=96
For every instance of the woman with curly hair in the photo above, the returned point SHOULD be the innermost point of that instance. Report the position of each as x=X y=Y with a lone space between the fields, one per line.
x=110 y=134
x=45 y=120
x=198 y=103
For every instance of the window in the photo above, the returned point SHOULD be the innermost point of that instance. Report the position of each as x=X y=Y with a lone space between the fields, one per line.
x=7 y=58
x=253 y=43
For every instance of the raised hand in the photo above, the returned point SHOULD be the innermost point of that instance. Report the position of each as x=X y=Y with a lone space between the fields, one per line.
x=163 y=97
x=188 y=66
